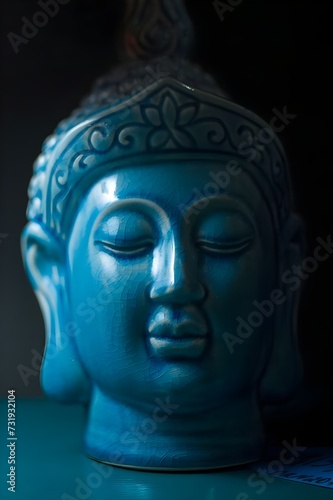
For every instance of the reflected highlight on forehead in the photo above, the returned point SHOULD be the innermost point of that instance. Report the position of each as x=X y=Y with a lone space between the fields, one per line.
x=166 y=190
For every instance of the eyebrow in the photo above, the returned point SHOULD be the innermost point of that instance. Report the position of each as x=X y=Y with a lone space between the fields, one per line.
x=147 y=207
x=224 y=203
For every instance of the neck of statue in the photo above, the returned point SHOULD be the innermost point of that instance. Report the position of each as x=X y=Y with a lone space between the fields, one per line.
x=163 y=433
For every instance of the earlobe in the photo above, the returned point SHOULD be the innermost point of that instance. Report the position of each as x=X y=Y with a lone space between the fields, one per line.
x=284 y=371
x=62 y=375
x=42 y=257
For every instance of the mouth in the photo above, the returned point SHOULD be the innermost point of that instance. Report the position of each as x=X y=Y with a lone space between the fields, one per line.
x=183 y=337
x=185 y=347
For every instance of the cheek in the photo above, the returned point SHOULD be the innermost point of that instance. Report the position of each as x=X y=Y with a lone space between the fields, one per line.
x=107 y=298
x=125 y=280
x=224 y=272
x=234 y=283
x=98 y=272
x=109 y=305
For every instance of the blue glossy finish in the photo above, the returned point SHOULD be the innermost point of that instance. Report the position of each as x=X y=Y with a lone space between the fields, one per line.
x=152 y=231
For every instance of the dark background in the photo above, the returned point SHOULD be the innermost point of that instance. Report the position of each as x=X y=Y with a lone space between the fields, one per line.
x=268 y=54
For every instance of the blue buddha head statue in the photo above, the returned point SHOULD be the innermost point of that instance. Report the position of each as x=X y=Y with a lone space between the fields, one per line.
x=160 y=232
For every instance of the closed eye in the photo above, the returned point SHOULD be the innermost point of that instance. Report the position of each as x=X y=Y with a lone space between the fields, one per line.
x=224 y=247
x=133 y=248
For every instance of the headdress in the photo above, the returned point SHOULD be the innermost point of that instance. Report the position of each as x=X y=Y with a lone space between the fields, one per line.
x=154 y=106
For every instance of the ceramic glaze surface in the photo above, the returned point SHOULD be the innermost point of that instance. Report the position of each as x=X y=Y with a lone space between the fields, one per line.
x=160 y=229
x=169 y=279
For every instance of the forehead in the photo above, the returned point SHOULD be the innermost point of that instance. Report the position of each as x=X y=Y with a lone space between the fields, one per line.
x=177 y=183
x=176 y=188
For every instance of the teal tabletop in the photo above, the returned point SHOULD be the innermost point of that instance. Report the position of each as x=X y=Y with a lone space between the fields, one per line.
x=49 y=464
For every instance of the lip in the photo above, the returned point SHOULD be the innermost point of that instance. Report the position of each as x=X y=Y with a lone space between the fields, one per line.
x=171 y=329
x=187 y=346
x=177 y=333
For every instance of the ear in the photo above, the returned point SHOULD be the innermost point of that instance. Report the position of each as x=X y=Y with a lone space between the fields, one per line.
x=62 y=376
x=284 y=371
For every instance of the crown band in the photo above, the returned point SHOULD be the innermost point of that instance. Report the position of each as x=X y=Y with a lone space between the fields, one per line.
x=165 y=118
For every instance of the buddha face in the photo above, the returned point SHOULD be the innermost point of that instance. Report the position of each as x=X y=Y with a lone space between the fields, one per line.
x=159 y=267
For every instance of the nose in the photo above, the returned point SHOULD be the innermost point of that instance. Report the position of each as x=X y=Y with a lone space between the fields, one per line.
x=175 y=276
